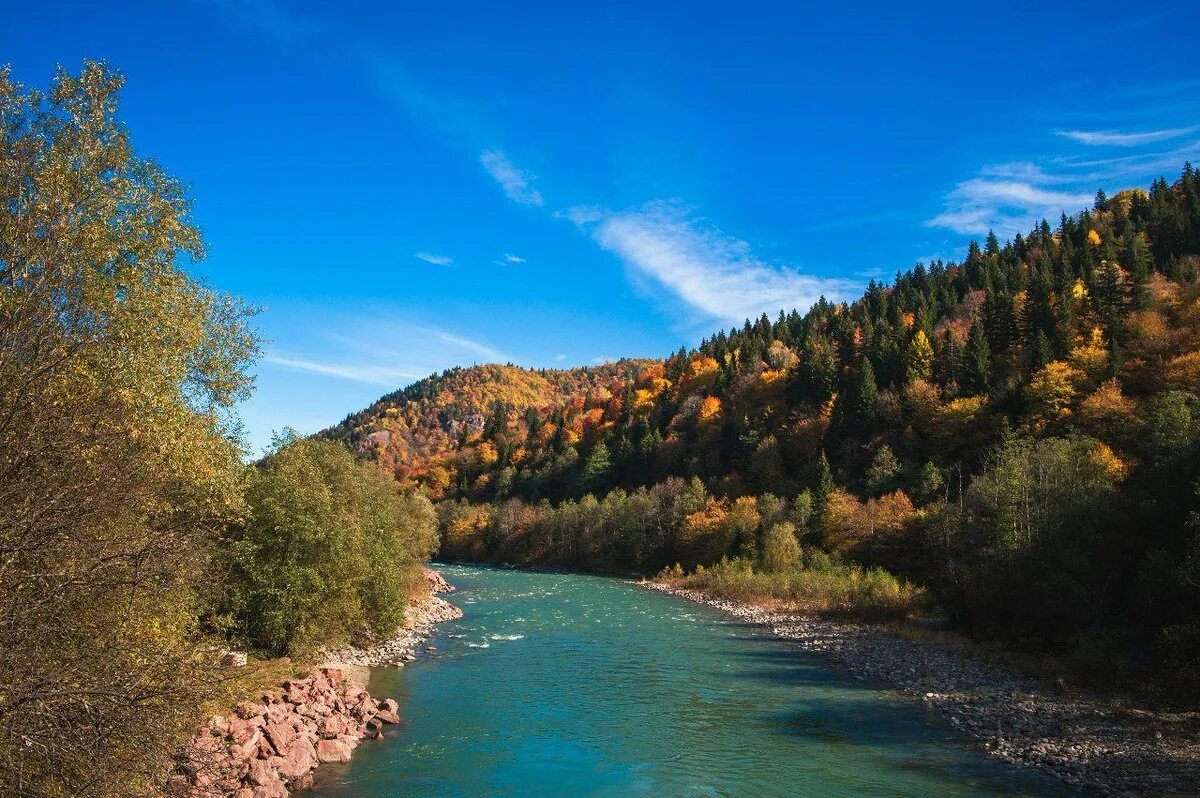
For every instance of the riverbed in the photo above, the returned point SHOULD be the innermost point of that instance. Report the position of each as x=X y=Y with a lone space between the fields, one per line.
x=557 y=684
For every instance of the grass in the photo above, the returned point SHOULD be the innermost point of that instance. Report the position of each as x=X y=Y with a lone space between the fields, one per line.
x=823 y=586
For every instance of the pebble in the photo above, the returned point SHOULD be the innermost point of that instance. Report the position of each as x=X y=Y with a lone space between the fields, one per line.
x=1079 y=740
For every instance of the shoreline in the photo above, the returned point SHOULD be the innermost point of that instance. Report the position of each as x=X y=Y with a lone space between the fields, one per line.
x=1085 y=742
x=271 y=747
x=400 y=649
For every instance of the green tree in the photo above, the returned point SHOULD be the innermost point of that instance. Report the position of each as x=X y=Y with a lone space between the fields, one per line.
x=596 y=469
x=781 y=550
x=976 y=374
x=885 y=467
x=118 y=376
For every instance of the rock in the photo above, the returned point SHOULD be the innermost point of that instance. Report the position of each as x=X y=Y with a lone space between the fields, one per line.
x=281 y=736
x=387 y=716
x=301 y=783
x=275 y=789
x=330 y=727
x=233 y=659
x=299 y=760
x=332 y=751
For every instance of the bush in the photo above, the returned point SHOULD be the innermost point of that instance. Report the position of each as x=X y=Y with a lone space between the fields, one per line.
x=823 y=586
x=327 y=550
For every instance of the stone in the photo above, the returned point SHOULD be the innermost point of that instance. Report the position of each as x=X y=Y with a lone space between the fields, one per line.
x=275 y=789
x=332 y=751
x=261 y=773
x=387 y=716
x=233 y=659
x=300 y=783
x=281 y=735
x=330 y=727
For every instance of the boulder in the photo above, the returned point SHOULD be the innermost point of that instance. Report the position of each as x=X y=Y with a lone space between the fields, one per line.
x=281 y=735
x=332 y=751
x=387 y=716
x=275 y=789
x=261 y=773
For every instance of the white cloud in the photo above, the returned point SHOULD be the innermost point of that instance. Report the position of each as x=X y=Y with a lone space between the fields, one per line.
x=712 y=272
x=355 y=349
x=375 y=374
x=510 y=258
x=477 y=347
x=1115 y=138
x=515 y=182
x=560 y=357
x=1007 y=207
x=436 y=260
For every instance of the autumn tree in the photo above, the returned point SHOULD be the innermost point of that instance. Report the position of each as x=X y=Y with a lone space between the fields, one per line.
x=118 y=375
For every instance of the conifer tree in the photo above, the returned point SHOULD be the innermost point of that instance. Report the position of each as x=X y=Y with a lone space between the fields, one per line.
x=977 y=362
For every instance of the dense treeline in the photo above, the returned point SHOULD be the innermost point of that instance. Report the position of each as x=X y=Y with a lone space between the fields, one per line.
x=135 y=543
x=1018 y=432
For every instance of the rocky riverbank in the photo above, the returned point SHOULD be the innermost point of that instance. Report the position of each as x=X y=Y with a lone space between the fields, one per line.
x=403 y=647
x=268 y=748
x=1086 y=742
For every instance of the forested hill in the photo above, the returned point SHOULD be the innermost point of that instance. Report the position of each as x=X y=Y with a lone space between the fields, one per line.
x=1018 y=432
x=1067 y=330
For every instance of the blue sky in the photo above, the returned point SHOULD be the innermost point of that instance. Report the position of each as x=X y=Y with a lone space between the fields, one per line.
x=403 y=188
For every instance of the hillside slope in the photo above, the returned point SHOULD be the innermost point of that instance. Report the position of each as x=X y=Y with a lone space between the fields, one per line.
x=1018 y=432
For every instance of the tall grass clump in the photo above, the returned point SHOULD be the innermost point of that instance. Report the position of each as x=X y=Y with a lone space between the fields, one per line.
x=820 y=585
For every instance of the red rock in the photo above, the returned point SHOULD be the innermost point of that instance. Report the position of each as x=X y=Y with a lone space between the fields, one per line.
x=298 y=761
x=245 y=792
x=247 y=710
x=332 y=726
x=261 y=773
x=281 y=735
x=389 y=704
x=272 y=790
x=332 y=751
x=387 y=716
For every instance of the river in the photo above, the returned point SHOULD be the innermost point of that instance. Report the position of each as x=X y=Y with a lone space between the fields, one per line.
x=559 y=684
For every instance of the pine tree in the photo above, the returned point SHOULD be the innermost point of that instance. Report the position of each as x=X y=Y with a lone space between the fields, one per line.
x=596 y=470
x=823 y=485
x=977 y=362
x=866 y=402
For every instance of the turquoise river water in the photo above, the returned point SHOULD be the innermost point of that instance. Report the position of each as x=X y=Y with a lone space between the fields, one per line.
x=568 y=685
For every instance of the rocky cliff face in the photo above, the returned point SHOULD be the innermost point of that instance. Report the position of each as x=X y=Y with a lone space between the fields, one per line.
x=268 y=748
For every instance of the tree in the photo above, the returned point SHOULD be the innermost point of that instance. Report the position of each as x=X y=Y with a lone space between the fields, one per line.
x=596 y=469
x=918 y=359
x=118 y=376
x=885 y=467
x=781 y=550
x=977 y=362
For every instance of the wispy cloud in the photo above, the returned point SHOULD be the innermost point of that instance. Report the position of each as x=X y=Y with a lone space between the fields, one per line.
x=517 y=184
x=470 y=345
x=560 y=357
x=375 y=374
x=710 y=271
x=376 y=349
x=511 y=258
x=1005 y=206
x=436 y=260
x=1116 y=138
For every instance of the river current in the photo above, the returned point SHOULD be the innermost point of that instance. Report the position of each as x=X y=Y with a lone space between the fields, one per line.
x=558 y=684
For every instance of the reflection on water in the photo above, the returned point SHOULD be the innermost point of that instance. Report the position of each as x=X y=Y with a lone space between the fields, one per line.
x=563 y=685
